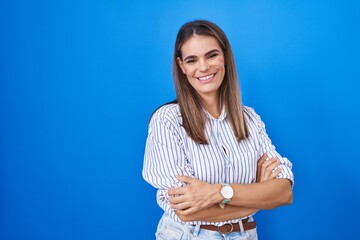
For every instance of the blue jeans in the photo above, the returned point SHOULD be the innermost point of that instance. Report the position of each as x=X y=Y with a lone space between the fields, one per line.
x=168 y=229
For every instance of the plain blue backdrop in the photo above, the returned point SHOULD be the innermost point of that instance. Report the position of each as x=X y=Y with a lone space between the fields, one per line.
x=79 y=80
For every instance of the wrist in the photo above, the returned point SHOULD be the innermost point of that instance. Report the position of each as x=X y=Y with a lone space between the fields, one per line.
x=227 y=193
x=218 y=196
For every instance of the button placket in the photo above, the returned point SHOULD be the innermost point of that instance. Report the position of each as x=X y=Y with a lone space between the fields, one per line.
x=224 y=150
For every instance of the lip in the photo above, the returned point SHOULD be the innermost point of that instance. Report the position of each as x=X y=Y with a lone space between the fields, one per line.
x=206 y=77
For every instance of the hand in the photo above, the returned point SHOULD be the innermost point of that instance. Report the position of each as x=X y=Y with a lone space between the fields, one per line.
x=267 y=169
x=195 y=196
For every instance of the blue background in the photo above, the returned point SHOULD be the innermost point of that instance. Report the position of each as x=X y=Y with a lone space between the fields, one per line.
x=79 y=80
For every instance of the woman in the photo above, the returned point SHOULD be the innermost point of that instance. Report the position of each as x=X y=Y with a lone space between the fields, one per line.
x=202 y=150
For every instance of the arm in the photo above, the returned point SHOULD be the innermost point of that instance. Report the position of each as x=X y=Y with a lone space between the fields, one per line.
x=216 y=214
x=198 y=195
x=193 y=207
x=263 y=195
x=269 y=194
x=164 y=157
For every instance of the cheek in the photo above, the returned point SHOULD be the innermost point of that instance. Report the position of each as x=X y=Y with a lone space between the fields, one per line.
x=188 y=71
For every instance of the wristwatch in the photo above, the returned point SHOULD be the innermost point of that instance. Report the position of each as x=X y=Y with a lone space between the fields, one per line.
x=227 y=192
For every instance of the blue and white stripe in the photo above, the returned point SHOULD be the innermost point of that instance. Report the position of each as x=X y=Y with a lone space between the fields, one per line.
x=170 y=152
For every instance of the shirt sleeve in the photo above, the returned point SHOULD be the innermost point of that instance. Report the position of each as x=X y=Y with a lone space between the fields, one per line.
x=266 y=146
x=164 y=159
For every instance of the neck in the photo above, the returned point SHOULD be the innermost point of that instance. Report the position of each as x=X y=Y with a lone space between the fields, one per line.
x=212 y=106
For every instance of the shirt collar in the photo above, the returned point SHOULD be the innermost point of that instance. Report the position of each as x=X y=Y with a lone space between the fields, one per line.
x=220 y=118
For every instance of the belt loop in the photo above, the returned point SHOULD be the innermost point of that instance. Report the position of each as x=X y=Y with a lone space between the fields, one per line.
x=241 y=227
x=196 y=230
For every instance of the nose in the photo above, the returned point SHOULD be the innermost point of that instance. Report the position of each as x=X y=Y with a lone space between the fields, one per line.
x=203 y=65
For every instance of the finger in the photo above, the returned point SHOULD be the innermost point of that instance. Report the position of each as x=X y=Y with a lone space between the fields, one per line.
x=262 y=159
x=185 y=179
x=276 y=173
x=259 y=173
x=259 y=165
x=269 y=162
x=187 y=211
x=258 y=176
x=272 y=166
x=177 y=199
x=269 y=170
x=177 y=191
x=181 y=206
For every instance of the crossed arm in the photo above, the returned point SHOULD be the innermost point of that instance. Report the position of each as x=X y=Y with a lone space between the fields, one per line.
x=198 y=200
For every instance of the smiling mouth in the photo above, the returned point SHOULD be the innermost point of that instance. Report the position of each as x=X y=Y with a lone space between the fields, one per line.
x=206 y=77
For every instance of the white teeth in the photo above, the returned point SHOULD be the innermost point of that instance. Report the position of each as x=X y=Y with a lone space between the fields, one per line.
x=206 y=77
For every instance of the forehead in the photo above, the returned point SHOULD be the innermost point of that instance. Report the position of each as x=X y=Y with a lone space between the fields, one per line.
x=199 y=45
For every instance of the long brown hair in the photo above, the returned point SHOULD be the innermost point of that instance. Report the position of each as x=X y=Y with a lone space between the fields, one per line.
x=191 y=107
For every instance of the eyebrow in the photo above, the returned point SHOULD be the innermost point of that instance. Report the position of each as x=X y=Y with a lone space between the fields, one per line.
x=206 y=54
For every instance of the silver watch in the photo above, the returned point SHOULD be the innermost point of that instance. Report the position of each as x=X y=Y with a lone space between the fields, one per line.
x=227 y=192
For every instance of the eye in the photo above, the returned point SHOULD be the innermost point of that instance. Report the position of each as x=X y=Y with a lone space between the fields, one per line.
x=190 y=61
x=213 y=55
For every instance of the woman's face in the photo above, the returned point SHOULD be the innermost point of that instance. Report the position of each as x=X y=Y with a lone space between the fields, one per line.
x=204 y=65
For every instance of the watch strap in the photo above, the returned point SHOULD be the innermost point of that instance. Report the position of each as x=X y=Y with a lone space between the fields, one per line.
x=226 y=200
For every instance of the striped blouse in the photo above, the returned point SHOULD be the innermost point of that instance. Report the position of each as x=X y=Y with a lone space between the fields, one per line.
x=170 y=152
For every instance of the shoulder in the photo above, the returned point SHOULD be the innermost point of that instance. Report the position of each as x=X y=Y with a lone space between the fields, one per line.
x=249 y=111
x=167 y=113
x=252 y=117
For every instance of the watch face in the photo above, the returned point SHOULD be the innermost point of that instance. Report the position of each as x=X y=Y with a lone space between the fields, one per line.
x=227 y=191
